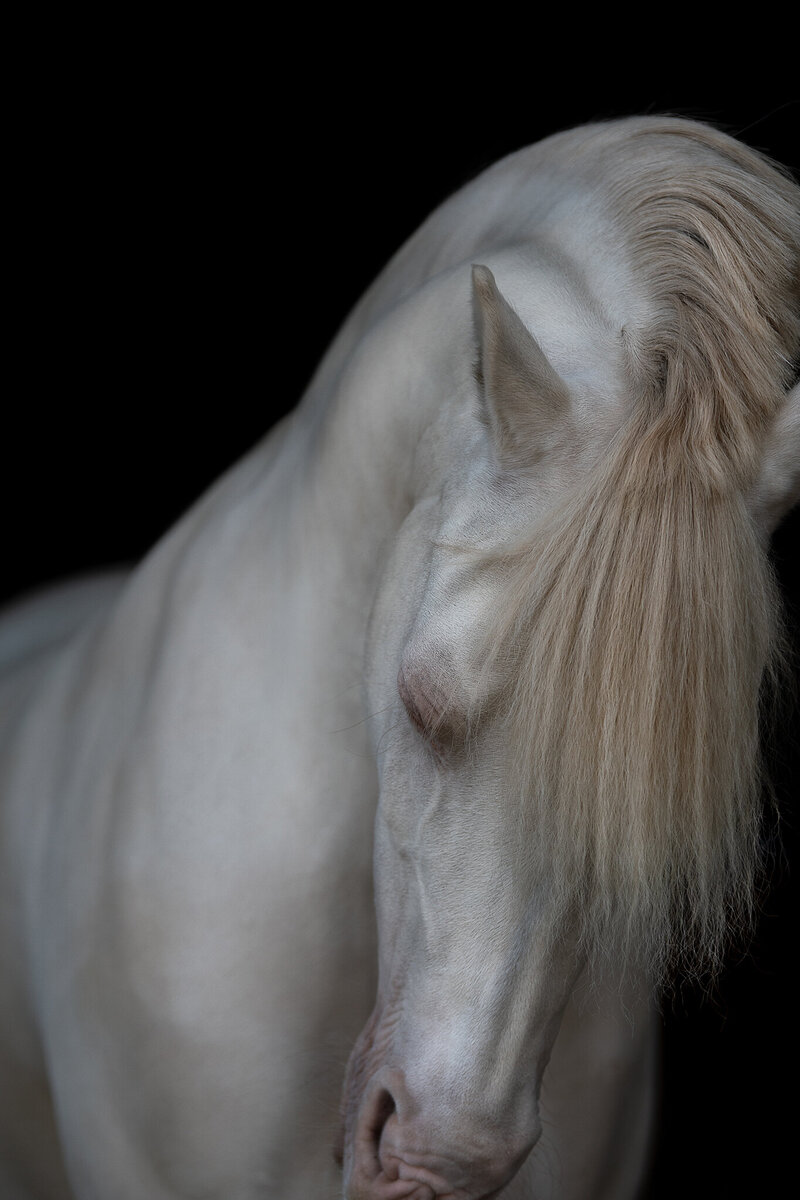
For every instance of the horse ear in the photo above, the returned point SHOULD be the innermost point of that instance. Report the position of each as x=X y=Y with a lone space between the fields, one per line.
x=527 y=402
x=777 y=488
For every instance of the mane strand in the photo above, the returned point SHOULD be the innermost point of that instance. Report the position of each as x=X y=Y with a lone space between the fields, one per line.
x=641 y=619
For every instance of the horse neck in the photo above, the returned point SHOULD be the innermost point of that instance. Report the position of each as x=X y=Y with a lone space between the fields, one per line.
x=384 y=383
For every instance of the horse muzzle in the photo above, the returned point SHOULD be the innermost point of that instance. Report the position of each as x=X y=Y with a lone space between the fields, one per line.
x=411 y=1148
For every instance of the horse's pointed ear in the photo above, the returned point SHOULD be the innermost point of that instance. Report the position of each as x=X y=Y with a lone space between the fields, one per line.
x=526 y=402
x=777 y=488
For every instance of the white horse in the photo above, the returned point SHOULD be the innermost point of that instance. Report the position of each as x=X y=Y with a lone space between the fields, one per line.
x=474 y=642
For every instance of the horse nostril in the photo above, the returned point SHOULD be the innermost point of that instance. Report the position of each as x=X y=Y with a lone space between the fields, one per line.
x=377 y=1112
x=383 y=1108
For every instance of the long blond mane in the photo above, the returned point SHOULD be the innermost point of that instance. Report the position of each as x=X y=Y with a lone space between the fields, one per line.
x=642 y=617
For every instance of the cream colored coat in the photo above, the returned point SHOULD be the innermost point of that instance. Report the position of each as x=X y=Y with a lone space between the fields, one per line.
x=194 y=756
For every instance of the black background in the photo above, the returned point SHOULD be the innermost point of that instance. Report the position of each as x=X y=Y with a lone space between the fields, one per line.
x=194 y=214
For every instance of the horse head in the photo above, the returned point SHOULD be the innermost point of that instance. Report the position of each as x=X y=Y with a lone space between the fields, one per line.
x=564 y=663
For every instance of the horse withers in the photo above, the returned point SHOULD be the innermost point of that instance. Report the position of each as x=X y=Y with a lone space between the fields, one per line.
x=347 y=841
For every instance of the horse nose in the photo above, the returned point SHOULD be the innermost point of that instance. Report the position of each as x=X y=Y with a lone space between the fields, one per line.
x=437 y=1149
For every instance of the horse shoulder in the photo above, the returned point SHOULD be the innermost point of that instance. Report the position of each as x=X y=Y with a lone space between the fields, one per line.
x=186 y=806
